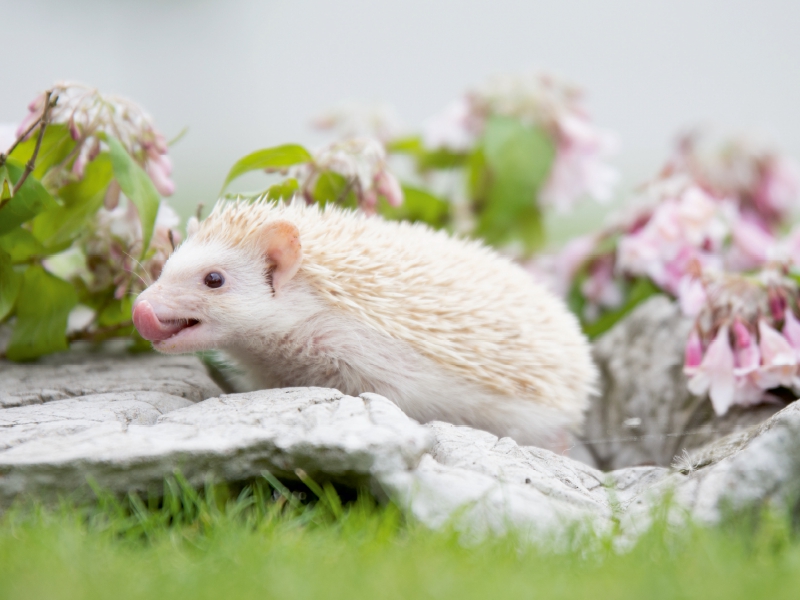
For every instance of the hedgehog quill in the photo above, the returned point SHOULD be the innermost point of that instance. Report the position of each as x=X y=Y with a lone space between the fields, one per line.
x=294 y=295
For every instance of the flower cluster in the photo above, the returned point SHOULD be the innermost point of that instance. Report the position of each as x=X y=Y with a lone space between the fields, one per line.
x=361 y=161
x=581 y=149
x=690 y=219
x=765 y=184
x=746 y=339
x=88 y=113
x=114 y=243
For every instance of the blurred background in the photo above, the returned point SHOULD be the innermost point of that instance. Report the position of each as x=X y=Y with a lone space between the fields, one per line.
x=245 y=74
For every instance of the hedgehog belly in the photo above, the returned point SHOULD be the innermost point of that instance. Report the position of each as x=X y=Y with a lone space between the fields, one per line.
x=335 y=351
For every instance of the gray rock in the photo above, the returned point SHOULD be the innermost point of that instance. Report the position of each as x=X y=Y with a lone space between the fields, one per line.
x=126 y=424
x=749 y=469
x=23 y=424
x=76 y=374
x=230 y=438
x=482 y=484
x=645 y=414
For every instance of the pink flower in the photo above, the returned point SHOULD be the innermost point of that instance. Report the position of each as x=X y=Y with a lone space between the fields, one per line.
x=691 y=295
x=34 y=112
x=387 y=185
x=715 y=374
x=778 y=357
x=746 y=353
x=159 y=168
x=693 y=354
x=778 y=189
x=579 y=168
x=753 y=245
x=791 y=331
x=600 y=286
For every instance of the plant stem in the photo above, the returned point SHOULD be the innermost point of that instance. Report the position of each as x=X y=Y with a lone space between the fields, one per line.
x=31 y=164
x=99 y=334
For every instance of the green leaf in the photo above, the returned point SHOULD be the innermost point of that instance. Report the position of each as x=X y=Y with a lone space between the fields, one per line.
x=82 y=199
x=29 y=201
x=332 y=187
x=641 y=290
x=427 y=159
x=10 y=282
x=6 y=185
x=43 y=305
x=440 y=159
x=116 y=312
x=518 y=159
x=136 y=185
x=278 y=157
x=21 y=244
x=406 y=145
x=284 y=190
x=418 y=206
x=57 y=144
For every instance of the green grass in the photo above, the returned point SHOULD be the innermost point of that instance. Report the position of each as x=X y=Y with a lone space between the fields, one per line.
x=222 y=544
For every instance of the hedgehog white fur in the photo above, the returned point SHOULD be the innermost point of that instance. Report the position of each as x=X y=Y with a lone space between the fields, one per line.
x=445 y=327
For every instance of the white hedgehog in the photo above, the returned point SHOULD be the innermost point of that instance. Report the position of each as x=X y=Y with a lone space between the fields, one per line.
x=446 y=328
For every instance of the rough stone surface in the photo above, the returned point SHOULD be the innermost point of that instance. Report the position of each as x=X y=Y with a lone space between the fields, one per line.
x=645 y=414
x=230 y=438
x=485 y=484
x=493 y=485
x=78 y=374
x=751 y=468
x=126 y=424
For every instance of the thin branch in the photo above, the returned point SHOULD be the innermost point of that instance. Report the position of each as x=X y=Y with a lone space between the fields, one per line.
x=31 y=164
x=4 y=155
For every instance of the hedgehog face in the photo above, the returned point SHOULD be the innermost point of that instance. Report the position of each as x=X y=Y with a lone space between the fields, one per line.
x=210 y=293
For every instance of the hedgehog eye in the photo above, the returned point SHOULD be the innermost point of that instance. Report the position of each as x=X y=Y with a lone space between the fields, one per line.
x=214 y=280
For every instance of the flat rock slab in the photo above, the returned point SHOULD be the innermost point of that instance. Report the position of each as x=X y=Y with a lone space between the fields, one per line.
x=230 y=438
x=483 y=484
x=77 y=374
x=128 y=423
x=492 y=485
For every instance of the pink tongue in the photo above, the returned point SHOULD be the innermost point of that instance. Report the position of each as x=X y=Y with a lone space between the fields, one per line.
x=148 y=325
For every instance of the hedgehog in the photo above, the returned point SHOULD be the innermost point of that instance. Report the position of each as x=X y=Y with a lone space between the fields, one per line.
x=296 y=296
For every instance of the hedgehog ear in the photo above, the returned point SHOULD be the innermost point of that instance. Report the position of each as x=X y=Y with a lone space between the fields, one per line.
x=280 y=243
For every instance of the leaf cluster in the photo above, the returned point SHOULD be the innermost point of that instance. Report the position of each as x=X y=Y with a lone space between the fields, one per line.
x=46 y=217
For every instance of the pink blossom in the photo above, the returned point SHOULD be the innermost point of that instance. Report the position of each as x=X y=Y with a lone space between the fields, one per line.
x=387 y=185
x=791 y=331
x=778 y=357
x=34 y=112
x=691 y=295
x=159 y=168
x=746 y=353
x=715 y=374
x=361 y=160
x=693 y=354
x=601 y=288
x=579 y=168
x=753 y=245
x=568 y=261
x=685 y=229
x=778 y=189
x=90 y=116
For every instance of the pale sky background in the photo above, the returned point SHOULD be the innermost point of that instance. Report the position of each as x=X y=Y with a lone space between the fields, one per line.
x=245 y=74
